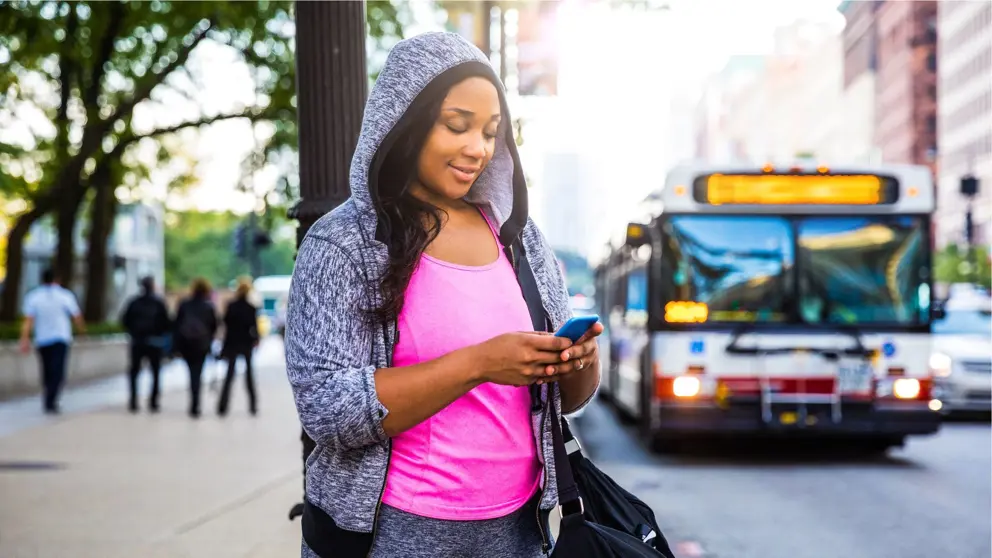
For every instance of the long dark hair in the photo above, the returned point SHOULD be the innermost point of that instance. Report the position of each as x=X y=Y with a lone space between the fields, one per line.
x=406 y=224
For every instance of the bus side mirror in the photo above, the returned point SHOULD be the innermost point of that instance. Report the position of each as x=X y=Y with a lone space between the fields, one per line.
x=637 y=235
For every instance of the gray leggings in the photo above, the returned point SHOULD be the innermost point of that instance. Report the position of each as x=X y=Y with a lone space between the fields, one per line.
x=404 y=535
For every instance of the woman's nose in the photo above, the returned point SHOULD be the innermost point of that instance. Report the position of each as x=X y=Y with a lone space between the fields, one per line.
x=476 y=147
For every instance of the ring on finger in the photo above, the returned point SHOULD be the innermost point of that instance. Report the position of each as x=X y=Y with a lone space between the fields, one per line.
x=579 y=365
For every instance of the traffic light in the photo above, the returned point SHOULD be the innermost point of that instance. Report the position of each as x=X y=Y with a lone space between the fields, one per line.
x=969 y=186
x=239 y=241
x=262 y=239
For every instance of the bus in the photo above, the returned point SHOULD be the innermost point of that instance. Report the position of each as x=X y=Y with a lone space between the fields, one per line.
x=774 y=302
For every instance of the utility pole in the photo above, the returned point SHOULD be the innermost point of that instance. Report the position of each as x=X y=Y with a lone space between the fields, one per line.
x=331 y=89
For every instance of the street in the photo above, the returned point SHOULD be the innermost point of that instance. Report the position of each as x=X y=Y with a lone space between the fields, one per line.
x=929 y=499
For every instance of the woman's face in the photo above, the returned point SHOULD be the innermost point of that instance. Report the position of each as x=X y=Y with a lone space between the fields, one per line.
x=461 y=143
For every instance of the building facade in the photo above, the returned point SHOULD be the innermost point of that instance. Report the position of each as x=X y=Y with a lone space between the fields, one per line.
x=964 y=116
x=136 y=249
x=906 y=90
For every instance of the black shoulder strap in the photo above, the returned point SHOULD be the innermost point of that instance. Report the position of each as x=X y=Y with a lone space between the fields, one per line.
x=568 y=491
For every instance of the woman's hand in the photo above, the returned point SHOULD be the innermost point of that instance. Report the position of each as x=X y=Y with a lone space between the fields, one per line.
x=582 y=355
x=519 y=359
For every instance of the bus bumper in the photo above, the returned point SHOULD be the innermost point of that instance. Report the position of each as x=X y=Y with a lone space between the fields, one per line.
x=868 y=420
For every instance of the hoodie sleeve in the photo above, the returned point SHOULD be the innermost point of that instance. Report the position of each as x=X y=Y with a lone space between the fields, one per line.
x=328 y=349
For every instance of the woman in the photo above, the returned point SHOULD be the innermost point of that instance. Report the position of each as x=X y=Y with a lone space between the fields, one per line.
x=410 y=343
x=240 y=339
x=196 y=326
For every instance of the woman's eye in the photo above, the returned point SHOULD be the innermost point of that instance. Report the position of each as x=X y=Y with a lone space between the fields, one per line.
x=490 y=136
x=455 y=129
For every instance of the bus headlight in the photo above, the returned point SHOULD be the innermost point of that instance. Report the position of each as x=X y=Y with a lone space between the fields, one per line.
x=906 y=388
x=940 y=365
x=686 y=386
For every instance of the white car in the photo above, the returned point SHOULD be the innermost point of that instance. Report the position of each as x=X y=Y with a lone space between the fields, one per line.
x=961 y=361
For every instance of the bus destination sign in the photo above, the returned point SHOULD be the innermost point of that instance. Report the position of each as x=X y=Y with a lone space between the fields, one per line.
x=795 y=189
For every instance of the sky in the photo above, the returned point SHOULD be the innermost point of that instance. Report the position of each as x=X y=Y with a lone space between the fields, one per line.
x=619 y=73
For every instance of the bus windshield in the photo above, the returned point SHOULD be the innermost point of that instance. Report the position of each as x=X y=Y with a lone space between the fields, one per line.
x=837 y=270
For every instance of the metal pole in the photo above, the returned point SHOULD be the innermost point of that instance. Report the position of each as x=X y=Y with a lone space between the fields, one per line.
x=331 y=89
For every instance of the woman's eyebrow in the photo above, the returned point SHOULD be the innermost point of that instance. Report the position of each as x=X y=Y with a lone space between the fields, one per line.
x=468 y=113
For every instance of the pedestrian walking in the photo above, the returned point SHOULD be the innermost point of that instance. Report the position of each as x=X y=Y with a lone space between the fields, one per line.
x=195 y=329
x=410 y=344
x=146 y=320
x=240 y=340
x=49 y=312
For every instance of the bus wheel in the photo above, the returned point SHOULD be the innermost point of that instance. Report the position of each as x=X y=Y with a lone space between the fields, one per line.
x=882 y=444
x=664 y=443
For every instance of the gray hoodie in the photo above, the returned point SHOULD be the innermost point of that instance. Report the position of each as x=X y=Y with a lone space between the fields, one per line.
x=333 y=349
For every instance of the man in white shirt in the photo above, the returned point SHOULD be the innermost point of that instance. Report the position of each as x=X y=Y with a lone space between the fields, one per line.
x=49 y=311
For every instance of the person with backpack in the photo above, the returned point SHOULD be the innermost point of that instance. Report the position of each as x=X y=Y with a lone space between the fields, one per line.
x=195 y=329
x=146 y=320
x=240 y=339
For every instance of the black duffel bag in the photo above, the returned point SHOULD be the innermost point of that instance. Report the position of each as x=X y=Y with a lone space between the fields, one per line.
x=599 y=518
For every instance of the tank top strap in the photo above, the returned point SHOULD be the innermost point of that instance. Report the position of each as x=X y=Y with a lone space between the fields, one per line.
x=491 y=227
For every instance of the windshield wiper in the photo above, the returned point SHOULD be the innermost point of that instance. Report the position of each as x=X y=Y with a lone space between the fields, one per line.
x=858 y=349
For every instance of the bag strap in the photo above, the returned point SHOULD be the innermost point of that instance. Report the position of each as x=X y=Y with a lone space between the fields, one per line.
x=569 y=500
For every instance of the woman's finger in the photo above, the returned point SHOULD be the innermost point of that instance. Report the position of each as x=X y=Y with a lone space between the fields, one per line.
x=579 y=350
x=595 y=331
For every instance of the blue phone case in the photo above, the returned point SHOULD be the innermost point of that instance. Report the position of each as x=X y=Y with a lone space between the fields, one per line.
x=576 y=327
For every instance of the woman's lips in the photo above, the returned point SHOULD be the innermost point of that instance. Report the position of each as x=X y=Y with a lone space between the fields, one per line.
x=464 y=174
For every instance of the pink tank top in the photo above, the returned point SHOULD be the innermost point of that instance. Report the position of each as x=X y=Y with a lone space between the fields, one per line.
x=476 y=458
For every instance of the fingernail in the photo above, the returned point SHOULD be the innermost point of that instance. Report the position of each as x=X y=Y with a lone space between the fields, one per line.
x=566 y=355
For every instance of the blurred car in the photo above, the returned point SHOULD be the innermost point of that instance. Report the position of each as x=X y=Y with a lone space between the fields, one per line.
x=961 y=361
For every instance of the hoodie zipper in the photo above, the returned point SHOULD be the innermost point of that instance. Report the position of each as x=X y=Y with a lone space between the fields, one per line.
x=545 y=545
x=389 y=450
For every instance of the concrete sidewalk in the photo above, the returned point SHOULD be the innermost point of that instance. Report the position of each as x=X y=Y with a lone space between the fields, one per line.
x=103 y=483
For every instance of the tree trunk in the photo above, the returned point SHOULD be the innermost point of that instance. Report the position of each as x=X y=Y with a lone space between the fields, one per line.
x=101 y=224
x=15 y=264
x=65 y=253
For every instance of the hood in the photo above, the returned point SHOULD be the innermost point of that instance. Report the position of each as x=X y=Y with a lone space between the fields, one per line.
x=412 y=65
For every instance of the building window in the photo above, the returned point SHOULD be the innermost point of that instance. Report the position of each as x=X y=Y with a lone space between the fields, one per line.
x=932 y=61
x=932 y=123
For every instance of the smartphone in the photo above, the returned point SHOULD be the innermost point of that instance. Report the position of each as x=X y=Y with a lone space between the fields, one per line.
x=577 y=327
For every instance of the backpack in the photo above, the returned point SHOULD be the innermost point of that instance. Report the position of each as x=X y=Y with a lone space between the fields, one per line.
x=193 y=331
x=143 y=318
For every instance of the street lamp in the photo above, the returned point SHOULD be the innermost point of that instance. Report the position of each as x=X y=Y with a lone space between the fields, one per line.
x=331 y=88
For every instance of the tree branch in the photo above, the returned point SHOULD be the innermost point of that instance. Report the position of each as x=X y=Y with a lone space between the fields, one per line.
x=146 y=86
x=114 y=24
x=67 y=72
x=252 y=114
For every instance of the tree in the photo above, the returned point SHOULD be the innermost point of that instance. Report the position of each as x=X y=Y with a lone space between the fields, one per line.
x=954 y=265
x=200 y=244
x=79 y=80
